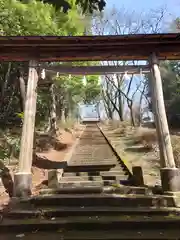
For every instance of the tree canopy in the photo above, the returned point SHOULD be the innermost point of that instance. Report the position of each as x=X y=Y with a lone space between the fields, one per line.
x=85 y=5
x=37 y=18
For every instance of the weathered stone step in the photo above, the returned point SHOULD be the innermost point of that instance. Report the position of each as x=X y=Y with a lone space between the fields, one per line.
x=120 y=200
x=100 y=173
x=118 y=166
x=113 y=172
x=81 y=178
x=98 y=164
x=117 y=188
x=89 y=168
x=92 y=178
x=72 y=190
x=86 y=183
x=56 y=211
x=102 y=189
x=93 y=223
x=117 y=178
x=84 y=162
x=152 y=234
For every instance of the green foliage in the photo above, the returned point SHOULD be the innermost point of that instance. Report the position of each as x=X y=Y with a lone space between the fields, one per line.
x=91 y=5
x=85 y=5
x=4 y=153
x=21 y=115
x=70 y=91
x=9 y=146
x=37 y=18
x=91 y=90
x=78 y=92
x=31 y=17
x=43 y=103
x=171 y=88
x=170 y=73
x=175 y=25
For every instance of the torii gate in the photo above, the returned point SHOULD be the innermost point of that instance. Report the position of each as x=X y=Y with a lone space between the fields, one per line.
x=149 y=47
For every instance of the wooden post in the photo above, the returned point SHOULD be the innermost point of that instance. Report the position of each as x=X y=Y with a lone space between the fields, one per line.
x=138 y=176
x=169 y=172
x=22 y=179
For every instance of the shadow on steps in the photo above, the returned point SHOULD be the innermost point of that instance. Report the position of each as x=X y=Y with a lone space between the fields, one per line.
x=45 y=163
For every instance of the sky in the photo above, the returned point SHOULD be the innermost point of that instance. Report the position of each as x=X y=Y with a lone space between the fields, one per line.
x=173 y=6
x=142 y=6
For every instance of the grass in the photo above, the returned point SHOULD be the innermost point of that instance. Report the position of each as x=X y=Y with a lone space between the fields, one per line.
x=67 y=125
x=139 y=146
x=146 y=137
x=176 y=149
x=9 y=144
x=131 y=145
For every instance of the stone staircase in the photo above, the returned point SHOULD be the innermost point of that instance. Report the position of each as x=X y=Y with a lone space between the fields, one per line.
x=93 y=175
x=94 y=213
x=93 y=200
x=94 y=163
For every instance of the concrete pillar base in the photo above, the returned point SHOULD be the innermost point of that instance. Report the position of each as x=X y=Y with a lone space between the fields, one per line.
x=138 y=179
x=52 y=178
x=22 y=184
x=170 y=179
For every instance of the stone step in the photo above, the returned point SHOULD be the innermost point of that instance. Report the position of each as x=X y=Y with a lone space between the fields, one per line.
x=56 y=211
x=119 y=189
x=92 y=178
x=86 y=162
x=113 y=173
x=81 y=178
x=93 y=223
x=97 y=173
x=89 y=183
x=72 y=190
x=117 y=178
x=103 y=199
x=131 y=234
x=89 y=168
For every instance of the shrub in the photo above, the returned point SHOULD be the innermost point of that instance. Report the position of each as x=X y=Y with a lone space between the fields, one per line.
x=146 y=137
x=68 y=124
x=124 y=129
x=176 y=149
x=9 y=147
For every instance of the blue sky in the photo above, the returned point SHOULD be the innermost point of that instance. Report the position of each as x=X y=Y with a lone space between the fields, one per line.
x=139 y=6
x=173 y=6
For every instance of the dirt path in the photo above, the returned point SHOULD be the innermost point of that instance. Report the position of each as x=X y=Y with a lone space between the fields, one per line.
x=46 y=160
x=49 y=160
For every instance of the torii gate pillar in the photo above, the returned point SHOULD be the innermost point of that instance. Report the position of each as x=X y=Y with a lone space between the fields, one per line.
x=23 y=178
x=170 y=175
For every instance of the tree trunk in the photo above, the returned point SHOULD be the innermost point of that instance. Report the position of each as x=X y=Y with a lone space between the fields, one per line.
x=5 y=83
x=132 y=115
x=52 y=118
x=120 y=111
x=108 y=109
x=22 y=88
x=120 y=102
x=63 y=119
x=98 y=110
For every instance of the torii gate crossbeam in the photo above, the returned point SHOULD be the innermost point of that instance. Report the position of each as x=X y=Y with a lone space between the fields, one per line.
x=97 y=70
